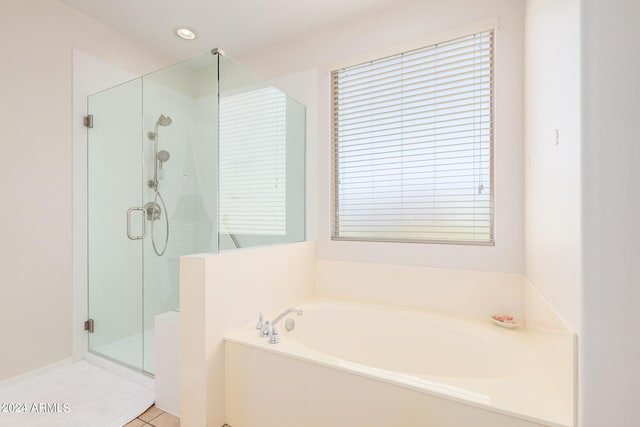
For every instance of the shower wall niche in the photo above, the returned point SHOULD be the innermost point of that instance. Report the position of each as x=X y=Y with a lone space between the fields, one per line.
x=197 y=157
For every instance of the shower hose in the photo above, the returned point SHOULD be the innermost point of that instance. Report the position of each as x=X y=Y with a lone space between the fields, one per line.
x=166 y=220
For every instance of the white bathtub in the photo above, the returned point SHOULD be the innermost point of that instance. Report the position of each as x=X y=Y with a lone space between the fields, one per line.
x=363 y=365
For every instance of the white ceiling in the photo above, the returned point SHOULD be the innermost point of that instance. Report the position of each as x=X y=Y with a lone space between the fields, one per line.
x=236 y=26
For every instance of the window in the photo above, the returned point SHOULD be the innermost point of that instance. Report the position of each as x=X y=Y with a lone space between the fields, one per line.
x=252 y=198
x=413 y=145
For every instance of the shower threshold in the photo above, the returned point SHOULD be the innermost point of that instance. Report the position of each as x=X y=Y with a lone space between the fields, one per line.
x=127 y=351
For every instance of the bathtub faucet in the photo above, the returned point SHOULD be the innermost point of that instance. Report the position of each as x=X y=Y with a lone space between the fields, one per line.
x=272 y=331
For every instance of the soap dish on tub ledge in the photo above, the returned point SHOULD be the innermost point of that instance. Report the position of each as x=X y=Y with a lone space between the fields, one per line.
x=505 y=321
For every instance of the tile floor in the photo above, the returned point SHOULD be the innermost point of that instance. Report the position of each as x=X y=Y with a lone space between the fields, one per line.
x=154 y=417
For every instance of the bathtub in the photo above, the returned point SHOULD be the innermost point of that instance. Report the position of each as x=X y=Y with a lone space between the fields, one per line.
x=360 y=365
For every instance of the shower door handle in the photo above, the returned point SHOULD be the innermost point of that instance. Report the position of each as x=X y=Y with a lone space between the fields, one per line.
x=144 y=224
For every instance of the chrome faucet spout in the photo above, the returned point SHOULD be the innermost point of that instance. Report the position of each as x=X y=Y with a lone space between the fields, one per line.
x=296 y=310
x=272 y=331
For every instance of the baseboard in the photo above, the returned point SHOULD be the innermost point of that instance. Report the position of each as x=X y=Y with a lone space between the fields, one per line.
x=36 y=372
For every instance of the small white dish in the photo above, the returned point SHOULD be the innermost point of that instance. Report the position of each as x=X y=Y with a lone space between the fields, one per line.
x=504 y=324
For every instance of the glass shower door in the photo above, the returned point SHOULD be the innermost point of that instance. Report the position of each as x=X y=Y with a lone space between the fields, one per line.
x=115 y=184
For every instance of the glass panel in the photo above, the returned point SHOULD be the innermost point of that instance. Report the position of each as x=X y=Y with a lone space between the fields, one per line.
x=180 y=178
x=296 y=143
x=262 y=158
x=114 y=176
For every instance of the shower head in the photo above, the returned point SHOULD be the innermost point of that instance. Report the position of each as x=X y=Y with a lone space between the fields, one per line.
x=163 y=156
x=164 y=120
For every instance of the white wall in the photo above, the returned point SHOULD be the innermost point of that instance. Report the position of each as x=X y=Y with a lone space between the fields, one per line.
x=467 y=293
x=36 y=185
x=552 y=168
x=609 y=344
x=553 y=238
x=398 y=26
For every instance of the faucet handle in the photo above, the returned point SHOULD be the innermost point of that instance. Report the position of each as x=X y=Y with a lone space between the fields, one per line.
x=260 y=323
x=266 y=329
x=274 y=338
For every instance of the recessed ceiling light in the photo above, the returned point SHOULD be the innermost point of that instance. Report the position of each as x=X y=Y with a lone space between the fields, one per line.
x=186 y=33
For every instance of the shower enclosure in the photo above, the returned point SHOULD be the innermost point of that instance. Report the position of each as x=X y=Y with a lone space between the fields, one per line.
x=198 y=157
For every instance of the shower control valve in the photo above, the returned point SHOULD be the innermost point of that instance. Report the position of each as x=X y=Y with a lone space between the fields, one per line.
x=153 y=211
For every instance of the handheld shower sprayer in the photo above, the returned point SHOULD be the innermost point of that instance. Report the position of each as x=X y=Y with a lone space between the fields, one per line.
x=162 y=157
x=154 y=212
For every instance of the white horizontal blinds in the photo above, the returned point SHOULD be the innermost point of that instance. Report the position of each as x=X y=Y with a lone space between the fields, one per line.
x=412 y=145
x=252 y=138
